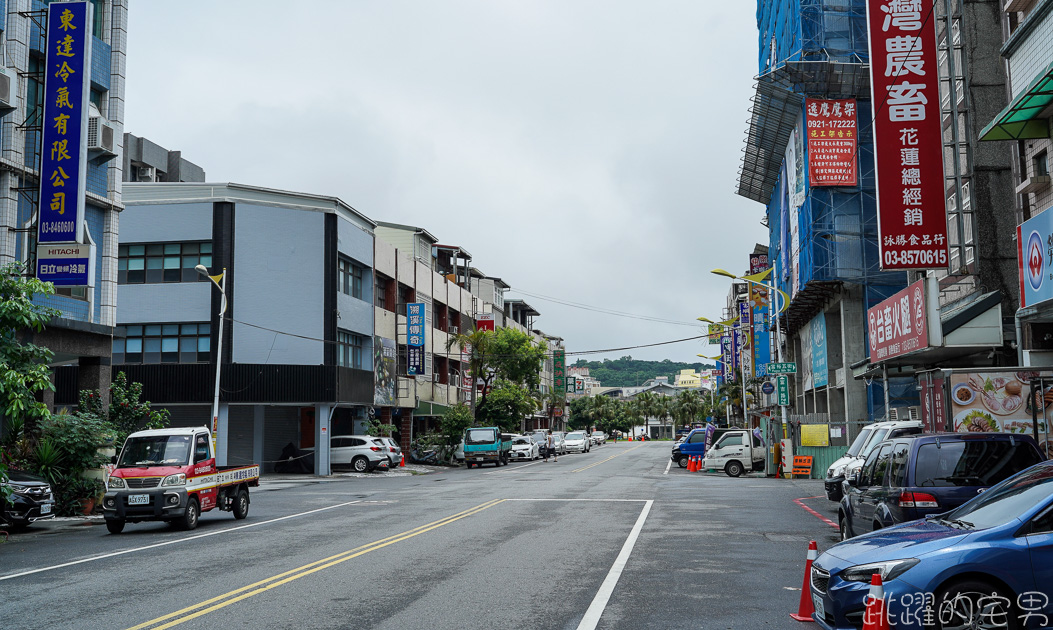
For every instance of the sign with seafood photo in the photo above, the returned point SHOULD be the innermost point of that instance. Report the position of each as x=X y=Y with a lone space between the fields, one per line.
x=999 y=402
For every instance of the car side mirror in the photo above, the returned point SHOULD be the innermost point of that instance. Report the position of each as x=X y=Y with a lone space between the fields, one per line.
x=853 y=479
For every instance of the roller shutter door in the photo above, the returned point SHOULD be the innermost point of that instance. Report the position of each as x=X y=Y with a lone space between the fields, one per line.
x=239 y=435
x=281 y=425
x=189 y=415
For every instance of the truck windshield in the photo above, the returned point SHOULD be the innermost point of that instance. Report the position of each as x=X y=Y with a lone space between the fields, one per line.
x=857 y=445
x=480 y=436
x=155 y=450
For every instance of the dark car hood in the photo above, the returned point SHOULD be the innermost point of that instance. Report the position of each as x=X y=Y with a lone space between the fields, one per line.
x=909 y=540
x=25 y=478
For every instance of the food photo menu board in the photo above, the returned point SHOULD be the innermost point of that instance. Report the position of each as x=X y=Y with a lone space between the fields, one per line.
x=1002 y=402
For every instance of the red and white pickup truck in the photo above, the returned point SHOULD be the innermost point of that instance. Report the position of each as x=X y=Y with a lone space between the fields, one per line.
x=171 y=475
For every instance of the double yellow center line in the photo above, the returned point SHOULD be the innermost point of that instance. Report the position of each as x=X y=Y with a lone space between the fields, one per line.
x=245 y=592
x=603 y=461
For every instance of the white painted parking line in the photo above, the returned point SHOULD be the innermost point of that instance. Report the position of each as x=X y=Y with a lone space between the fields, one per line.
x=599 y=603
x=171 y=542
x=667 y=465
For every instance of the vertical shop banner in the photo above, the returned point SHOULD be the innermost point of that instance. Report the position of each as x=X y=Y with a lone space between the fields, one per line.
x=415 y=335
x=898 y=326
x=466 y=360
x=714 y=333
x=384 y=355
x=758 y=263
x=485 y=321
x=933 y=406
x=726 y=355
x=832 y=142
x=746 y=347
x=1034 y=242
x=820 y=371
x=908 y=140
x=559 y=370
x=64 y=145
x=761 y=333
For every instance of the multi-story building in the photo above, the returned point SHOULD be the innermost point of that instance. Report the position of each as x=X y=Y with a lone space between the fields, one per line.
x=81 y=334
x=145 y=161
x=296 y=360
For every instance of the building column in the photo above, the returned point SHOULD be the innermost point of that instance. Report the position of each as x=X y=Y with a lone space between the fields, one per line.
x=93 y=373
x=406 y=431
x=853 y=349
x=322 y=414
x=257 y=434
x=222 y=428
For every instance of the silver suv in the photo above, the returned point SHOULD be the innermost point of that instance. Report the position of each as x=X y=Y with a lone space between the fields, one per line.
x=363 y=453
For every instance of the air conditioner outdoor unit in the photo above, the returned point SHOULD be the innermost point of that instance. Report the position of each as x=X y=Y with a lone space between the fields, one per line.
x=145 y=173
x=455 y=330
x=893 y=414
x=8 y=90
x=913 y=413
x=101 y=135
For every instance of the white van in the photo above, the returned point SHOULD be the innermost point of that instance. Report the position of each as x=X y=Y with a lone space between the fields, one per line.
x=869 y=437
x=733 y=452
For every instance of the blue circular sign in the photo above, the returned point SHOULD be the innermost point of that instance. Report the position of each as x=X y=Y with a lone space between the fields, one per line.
x=767 y=387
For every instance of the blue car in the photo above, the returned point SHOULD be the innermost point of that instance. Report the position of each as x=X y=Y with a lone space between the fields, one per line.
x=911 y=477
x=986 y=564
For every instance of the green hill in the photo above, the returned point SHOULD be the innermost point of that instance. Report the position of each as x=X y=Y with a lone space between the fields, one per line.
x=628 y=372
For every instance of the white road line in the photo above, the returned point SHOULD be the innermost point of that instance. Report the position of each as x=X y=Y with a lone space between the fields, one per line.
x=667 y=465
x=171 y=542
x=597 y=500
x=512 y=470
x=599 y=603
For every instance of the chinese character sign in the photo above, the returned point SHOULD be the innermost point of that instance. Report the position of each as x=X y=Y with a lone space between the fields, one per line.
x=714 y=333
x=899 y=325
x=70 y=265
x=63 y=156
x=908 y=143
x=559 y=370
x=832 y=142
x=746 y=338
x=1034 y=240
x=758 y=263
x=415 y=336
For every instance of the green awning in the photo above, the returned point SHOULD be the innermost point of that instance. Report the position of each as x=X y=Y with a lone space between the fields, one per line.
x=426 y=408
x=1020 y=120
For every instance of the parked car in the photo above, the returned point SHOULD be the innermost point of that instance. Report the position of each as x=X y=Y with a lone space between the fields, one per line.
x=598 y=437
x=983 y=565
x=458 y=454
x=31 y=500
x=394 y=451
x=577 y=442
x=363 y=453
x=524 y=447
x=908 y=478
x=733 y=452
x=881 y=431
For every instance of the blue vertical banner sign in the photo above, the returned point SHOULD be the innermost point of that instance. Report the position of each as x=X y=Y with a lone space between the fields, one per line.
x=415 y=339
x=820 y=372
x=64 y=146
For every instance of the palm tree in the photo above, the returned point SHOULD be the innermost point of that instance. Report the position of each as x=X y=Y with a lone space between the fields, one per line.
x=479 y=342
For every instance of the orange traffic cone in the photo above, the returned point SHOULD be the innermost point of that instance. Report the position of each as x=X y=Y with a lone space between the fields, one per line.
x=402 y=462
x=805 y=608
x=690 y=463
x=698 y=463
x=695 y=462
x=875 y=617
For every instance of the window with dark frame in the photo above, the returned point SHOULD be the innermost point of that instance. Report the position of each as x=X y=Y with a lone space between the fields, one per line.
x=350 y=277
x=162 y=343
x=350 y=348
x=154 y=263
x=380 y=292
x=1041 y=163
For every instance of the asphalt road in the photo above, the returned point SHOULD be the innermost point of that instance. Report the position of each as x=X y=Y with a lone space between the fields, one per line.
x=613 y=538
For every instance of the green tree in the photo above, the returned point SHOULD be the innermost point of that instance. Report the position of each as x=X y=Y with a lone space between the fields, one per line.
x=505 y=354
x=451 y=428
x=24 y=369
x=126 y=413
x=506 y=406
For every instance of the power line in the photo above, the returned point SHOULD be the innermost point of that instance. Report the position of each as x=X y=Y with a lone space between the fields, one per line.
x=605 y=311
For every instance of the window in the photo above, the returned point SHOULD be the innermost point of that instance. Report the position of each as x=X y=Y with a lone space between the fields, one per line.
x=1041 y=163
x=897 y=475
x=151 y=263
x=350 y=278
x=349 y=349
x=162 y=343
x=200 y=448
x=97 y=18
x=380 y=297
x=731 y=440
x=971 y=463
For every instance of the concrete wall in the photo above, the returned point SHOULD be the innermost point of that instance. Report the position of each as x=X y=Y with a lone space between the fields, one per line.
x=166 y=302
x=355 y=315
x=166 y=223
x=384 y=258
x=278 y=284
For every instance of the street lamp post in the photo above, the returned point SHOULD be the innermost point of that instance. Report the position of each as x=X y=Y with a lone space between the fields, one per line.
x=220 y=282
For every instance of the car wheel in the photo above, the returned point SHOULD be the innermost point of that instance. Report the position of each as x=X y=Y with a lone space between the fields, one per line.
x=115 y=526
x=682 y=461
x=733 y=469
x=846 y=533
x=241 y=505
x=360 y=464
x=190 y=517
x=975 y=604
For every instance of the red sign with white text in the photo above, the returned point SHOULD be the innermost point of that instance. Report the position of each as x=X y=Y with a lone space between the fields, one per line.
x=899 y=325
x=908 y=143
x=831 y=141
x=485 y=321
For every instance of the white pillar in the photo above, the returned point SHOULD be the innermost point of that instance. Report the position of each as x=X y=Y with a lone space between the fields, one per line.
x=221 y=435
x=321 y=439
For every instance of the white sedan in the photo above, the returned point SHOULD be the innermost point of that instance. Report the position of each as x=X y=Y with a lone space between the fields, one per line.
x=577 y=442
x=524 y=447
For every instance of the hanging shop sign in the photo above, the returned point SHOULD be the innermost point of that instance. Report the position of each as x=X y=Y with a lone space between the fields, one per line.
x=415 y=337
x=908 y=141
x=758 y=263
x=485 y=321
x=64 y=145
x=832 y=142
x=726 y=353
x=746 y=338
x=899 y=325
x=820 y=370
x=559 y=370
x=714 y=333
x=66 y=265
x=1034 y=242
x=384 y=375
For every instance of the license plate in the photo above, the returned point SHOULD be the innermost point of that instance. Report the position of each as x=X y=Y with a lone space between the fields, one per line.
x=138 y=499
x=820 y=610
x=45 y=509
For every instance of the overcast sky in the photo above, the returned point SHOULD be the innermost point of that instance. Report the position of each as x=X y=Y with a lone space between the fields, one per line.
x=585 y=151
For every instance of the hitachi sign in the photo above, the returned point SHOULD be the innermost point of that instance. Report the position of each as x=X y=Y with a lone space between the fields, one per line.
x=63 y=251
